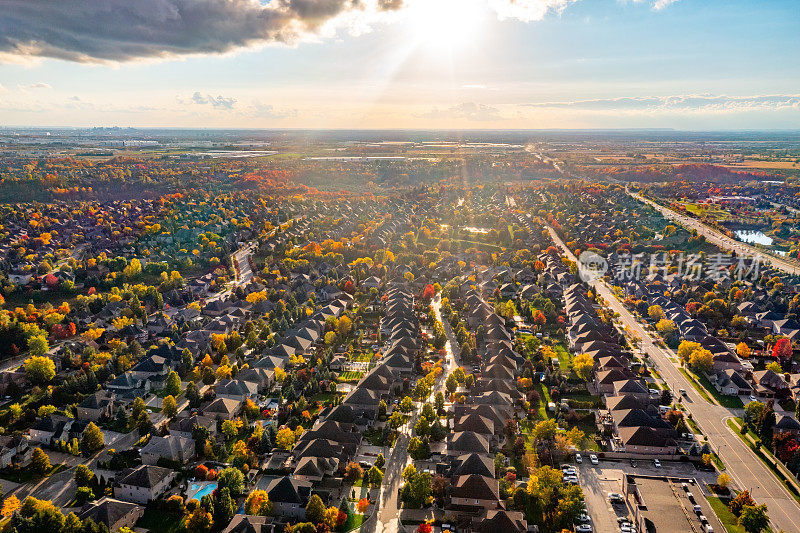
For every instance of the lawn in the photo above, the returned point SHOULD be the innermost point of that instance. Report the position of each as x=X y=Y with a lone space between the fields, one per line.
x=725 y=515
x=564 y=358
x=699 y=388
x=158 y=521
x=350 y=376
x=354 y=521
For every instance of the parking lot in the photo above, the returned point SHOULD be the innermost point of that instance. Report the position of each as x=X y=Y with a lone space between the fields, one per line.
x=597 y=481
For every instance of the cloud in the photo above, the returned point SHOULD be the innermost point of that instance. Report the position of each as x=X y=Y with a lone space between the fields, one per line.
x=465 y=111
x=38 y=85
x=692 y=102
x=260 y=110
x=121 y=30
x=661 y=4
x=110 y=31
x=219 y=102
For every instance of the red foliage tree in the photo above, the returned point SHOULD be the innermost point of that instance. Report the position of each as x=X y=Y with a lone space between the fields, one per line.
x=782 y=350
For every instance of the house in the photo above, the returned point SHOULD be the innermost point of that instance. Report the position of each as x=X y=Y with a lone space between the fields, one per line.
x=646 y=440
x=475 y=492
x=14 y=450
x=464 y=442
x=183 y=426
x=224 y=408
x=243 y=523
x=115 y=514
x=498 y=520
x=289 y=497
x=98 y=406
x=237 y=389
x=143 y=484
x=768 y=384
x=786 y=425
x=171 y=448
x=732 y=383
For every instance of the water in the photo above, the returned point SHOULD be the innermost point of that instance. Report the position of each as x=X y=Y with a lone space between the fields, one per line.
x=753 y=237
x=197 y=491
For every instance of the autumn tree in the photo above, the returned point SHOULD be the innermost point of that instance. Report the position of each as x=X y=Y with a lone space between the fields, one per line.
x=40 y=369
x=583 y=365
x=40 y=461
x=257 y=503
x=173 y=384
x=315 y=510
x=169 y=406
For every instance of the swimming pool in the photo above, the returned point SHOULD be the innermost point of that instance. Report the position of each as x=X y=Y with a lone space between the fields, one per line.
x=198 y=490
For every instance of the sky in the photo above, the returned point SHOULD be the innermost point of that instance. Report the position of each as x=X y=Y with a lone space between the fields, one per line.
x=409 y=64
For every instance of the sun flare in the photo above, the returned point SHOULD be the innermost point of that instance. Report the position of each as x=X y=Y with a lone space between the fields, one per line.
x=446 y=25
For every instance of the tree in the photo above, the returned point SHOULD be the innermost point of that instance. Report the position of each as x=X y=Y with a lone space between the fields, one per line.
x=451 y=383
x=315 y=510
x=224 y=507
x=10 y=506
x=406 y=405
x=667 y=329
x=40 y=369
x=782 y=349
x=38 y=345
x=740 y=501
x=40 y=461
x=723 y=480
x=199 y=520
x=655 y=312
x=232 y=479
x=701 y=360
x=93 y=438
x=743 y=350
x=83 y=476
x=285 y=438
x=353 y=472
x=685 y=349
x=544 y=430
x=173 y=384
x=583 y=365
x=775 y=367
x=169 y=406
x=753 y=518
x=257 y=503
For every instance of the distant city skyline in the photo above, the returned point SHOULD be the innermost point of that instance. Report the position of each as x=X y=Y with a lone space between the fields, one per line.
x=413 y=64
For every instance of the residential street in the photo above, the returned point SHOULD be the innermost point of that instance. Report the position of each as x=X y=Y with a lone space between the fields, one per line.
x=385 y=519
x=743 y=466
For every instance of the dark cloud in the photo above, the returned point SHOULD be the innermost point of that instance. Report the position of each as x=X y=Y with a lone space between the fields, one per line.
x=690 y=102
x=219 y=102
x=124 y=30
x=465 y=111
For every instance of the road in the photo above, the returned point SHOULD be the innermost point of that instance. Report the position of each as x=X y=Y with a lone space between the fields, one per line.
x=386 y=518
x=744 y=467
x=60 y=488
x=720 y=239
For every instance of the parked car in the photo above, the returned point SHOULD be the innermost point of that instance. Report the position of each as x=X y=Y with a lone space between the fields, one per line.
x=753 y=398
x=593 y=459
x=584 y=528
x=615 y=497
x=578 y=458
x=656 y=463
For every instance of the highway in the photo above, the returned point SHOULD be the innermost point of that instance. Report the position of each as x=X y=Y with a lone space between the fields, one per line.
x=720 y=239
x=742 y=465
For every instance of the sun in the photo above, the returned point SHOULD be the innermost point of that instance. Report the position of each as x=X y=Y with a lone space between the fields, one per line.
x=440 y=26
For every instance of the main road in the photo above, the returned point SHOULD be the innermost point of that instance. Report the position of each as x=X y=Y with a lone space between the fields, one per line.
x=720 y=239
x=742 y=464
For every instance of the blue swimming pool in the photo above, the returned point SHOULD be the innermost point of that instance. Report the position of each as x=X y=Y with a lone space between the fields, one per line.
x=198 y=490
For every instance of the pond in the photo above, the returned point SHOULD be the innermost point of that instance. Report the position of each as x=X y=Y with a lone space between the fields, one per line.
x=753 y=237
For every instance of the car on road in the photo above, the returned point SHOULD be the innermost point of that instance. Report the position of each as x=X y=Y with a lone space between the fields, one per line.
x=578 y=458
x=633 y=463
x=656 y=463
x=753 y=398
x=584 y=528
x=572 y=480
x=697 y=509
x=615 y=497
x=593 y=459
x=683 y=392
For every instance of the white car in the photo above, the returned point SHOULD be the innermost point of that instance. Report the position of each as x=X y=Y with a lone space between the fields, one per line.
x=753 y=398
x=615 y=497
x=578 y=458
x=656 y=463
x=584 y=528
x=593 y=459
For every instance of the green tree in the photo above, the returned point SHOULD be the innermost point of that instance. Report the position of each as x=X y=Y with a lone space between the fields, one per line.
x=232 y=479
x=406 y=405
x=93 y=438
x=40 y=369
x=40 y=461
x=224 y=507
x=173 y=384
x=315 y=510
x=38 y=345
x=169 y=406
x=83 y=476
x=753 y=518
